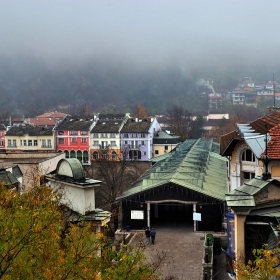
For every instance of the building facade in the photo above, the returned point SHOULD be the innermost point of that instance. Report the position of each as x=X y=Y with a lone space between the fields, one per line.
x=28 y=138
x=105 y=137
x=137 y=138
x=73 y=138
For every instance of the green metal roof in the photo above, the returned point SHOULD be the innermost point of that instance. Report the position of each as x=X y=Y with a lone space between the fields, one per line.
x=8 y=178
x=192 y=165
x=165 y=135
x=244 y=195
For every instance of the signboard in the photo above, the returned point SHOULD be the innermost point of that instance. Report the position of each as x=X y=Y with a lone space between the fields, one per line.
x=137 y=215
x=196 y=216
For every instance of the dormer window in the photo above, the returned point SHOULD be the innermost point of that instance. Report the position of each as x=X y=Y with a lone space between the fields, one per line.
x=248 y=155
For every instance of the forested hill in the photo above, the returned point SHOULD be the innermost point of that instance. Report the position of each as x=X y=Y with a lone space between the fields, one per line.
x=30 y=86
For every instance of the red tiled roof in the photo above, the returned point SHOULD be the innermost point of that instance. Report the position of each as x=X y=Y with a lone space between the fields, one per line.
x=259 y=125
x=55 y=114
x=273 y=146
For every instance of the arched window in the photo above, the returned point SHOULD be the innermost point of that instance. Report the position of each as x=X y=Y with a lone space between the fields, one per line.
x=66 y=154
x=114 y=155
x=72 y=154
x=248 y=156
x=95 y=155
x=85 y=156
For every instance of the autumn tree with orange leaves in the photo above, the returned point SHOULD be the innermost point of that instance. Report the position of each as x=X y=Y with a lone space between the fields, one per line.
x=264 y=266
x=37 y=242
x=139 y=113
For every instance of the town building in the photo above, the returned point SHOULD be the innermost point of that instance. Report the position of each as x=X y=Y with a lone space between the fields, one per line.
x=238 y=96
x=255 y=206
x=105 y=137
x=73 y=138
x=164 y=142
x=47 y=119
x=2 y=137
x=78 y=193
x=137 y=138
x=245 y=147
x=29 y=138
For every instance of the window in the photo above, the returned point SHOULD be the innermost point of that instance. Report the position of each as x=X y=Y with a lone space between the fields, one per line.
x=83 y=132
x=125 y=135
x=21 y=142
x=156 y=152
x=74 y=140
x=95 y=155
x=9 y=143
x=104 y=155
x=113 y=143
x=35 y=142
x=104 y=144
x=248 y=175
x=134 y=154
x=60 y=140
x=72 y=132
x=24 y=143
x=84 y=140
x=114 y=155
x=44 y=143
x=49 y=143
x=248 y=156
x=112 y=135
x=143 y=143
x=142 y=135
x=104 y=135
x=95 y=135
x=95 y=143
x=165 y=148
x=125 y=142
x=29 y=142
x=1 y=143
x=134 y=144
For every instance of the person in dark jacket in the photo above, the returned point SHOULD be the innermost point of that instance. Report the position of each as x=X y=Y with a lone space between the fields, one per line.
x=153 y=235
x=148 y=235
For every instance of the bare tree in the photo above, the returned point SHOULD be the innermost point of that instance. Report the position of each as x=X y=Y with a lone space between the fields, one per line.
x=180 y=121
x=116 y=176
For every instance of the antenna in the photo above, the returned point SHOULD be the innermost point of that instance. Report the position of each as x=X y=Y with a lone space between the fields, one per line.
x=266 y=159
x=273 y=89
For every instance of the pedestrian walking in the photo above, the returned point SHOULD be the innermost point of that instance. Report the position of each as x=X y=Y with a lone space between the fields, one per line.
x=153 y=235
x=148 y=235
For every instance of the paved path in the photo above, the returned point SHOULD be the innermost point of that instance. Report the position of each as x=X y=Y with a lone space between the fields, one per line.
x=184 y=251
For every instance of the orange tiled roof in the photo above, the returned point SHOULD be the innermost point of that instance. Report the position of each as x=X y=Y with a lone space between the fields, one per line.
x=273 y=146
x=56 y=115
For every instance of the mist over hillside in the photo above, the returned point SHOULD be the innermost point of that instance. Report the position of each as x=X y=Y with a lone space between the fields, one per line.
x=113 y=55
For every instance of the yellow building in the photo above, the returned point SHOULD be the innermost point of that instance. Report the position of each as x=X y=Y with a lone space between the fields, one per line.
x=164 y=142
x=28 y=138
x=246 y=146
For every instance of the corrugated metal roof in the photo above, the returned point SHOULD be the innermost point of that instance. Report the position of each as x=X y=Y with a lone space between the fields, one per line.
x=192 y=165
x=16 y=171
x=8 y=178
x=244 y=195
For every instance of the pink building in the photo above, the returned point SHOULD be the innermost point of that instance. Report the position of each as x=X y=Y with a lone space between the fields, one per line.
x=73 y=138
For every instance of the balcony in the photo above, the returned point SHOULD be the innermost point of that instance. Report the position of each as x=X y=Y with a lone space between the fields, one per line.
x=104 y=147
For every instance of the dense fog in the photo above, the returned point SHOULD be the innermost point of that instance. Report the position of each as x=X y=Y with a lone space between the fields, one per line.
x=117 y=54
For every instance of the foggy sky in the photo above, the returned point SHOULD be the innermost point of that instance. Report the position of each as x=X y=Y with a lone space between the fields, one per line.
x=146 y=32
